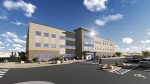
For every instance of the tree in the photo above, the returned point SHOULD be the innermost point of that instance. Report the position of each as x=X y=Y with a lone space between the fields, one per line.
x=13 y=54
x=118 y=54
x=146 y=53
x=22 y=56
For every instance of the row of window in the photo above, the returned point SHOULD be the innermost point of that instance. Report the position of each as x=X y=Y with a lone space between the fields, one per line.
x=46 y=45
x=90 y=45
x=104 y=54
x=104 y=49
x=38 y=33
x=42 y=56
x=88 y=48
x=98 y=42
x=67 y=47
x=67 y=38
x=45 y=56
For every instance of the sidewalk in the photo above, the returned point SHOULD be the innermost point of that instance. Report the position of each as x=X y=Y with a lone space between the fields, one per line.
x=30 y=65
x=114 y=57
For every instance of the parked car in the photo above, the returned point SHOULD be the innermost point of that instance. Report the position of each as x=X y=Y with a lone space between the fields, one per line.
x=145 y=63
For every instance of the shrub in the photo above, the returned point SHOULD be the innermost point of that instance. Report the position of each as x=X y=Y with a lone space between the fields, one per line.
x=109 y=56
x=118 y=54
x=138 y=57
x=57 y=58
x=35 y=59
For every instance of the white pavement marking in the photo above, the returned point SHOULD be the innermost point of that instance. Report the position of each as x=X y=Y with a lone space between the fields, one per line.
x=2 y=72
x=139 y=75
x=4 y=69
x=35 y=82
x=122 y=71
x=89 y=62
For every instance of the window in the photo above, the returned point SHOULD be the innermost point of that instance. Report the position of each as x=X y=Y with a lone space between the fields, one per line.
x=62 y=46
x=53 y=35
x=46 y=34
x=38 y=33
x=53 y=45
x=46 y=45
x=70 y=55
x=62 y=37
x=70 y=47
x=42 y=56
x=38 y=44
x=70 y=39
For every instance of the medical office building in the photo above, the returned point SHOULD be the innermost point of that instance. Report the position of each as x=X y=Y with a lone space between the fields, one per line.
x=47 y=42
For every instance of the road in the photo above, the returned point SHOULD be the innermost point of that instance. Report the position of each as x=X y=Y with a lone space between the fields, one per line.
x=75 y=73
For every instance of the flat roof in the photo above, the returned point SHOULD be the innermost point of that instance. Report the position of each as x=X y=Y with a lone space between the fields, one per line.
x=86 y=29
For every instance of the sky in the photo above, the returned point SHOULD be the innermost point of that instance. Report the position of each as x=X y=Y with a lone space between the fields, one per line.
x=126 y=22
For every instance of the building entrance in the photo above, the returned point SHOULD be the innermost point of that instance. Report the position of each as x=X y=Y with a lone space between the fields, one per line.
x=89 y=56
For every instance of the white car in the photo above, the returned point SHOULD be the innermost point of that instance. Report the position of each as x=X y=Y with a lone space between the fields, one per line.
x=145 y=63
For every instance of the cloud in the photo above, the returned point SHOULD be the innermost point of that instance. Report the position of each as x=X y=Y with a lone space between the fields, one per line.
x=117 y=48
x=136 y=49
x=2 y=48
x=3 y=17
x=145 y=42
x=131 y=32
x=28 y=8
x=104 y=20
x=19 y=23
x=148 y=33
x=133 y=1
x=3 y=14
x=7 y=45
x=12 y=37
x=25 y=36
x=126 y=2
x=127 y=40
x=132 y=49
x=1 y=43
x=19 y=41
x=8 y=40
x=95 y=5
x=17 y=49
x=17 y=45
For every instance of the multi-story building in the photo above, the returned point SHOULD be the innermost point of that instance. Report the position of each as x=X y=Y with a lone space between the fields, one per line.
x=48 y=42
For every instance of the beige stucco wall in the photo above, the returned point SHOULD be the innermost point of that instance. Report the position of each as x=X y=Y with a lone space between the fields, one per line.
x=32 y=38
x=103 y=45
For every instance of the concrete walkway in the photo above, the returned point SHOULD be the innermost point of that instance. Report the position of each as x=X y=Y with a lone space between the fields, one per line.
x=30 y=65
x=114 y=57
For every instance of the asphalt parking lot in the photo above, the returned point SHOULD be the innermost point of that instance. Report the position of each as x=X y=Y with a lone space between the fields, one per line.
x=75 y=73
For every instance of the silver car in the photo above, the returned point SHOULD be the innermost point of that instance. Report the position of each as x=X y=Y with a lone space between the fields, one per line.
x=145 y=63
